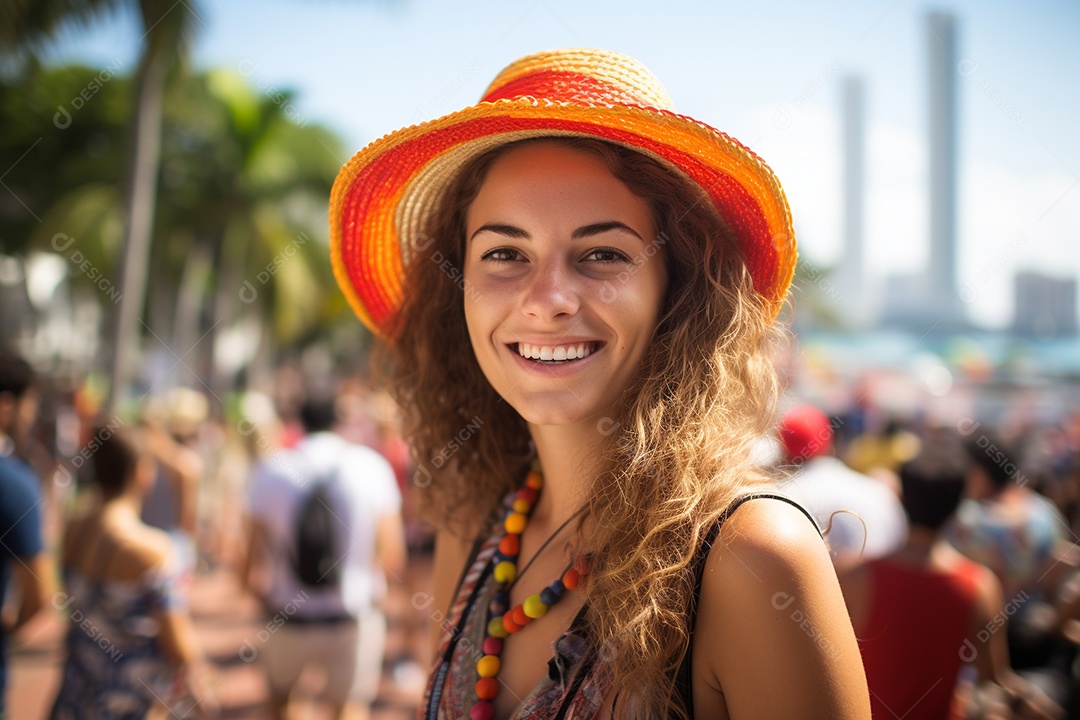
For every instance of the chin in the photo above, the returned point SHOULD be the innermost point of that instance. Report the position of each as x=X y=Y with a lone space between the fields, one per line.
x=559 y=413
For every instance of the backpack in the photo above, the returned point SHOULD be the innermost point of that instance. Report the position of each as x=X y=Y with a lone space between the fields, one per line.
x=317 y=557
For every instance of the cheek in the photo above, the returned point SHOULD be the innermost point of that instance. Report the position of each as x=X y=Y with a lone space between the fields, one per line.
x=479 y=326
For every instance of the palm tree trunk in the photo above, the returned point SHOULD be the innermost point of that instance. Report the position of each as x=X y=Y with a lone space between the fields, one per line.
x=140 y=202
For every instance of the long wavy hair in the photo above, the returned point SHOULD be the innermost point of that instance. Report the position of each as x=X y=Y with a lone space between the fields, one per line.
x=676 y=450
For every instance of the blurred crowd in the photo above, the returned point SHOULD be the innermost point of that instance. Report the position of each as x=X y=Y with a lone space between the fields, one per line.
x=109 y=519
x=955 y=546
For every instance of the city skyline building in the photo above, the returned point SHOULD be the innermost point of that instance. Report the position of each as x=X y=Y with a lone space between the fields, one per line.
x=1045 y=307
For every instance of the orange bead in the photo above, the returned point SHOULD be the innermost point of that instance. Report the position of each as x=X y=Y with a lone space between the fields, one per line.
x=509 y=625
x=510 y=545
x=488 y=666
x=518 y=616
x=534 y=480
x=515 y=522
x=570 y=579
x=487 y=688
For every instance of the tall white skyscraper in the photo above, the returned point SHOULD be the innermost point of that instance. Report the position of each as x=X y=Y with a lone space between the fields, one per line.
x=852 y=267
x=941 y=275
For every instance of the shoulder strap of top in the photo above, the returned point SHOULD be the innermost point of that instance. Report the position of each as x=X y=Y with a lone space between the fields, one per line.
x=683 y=680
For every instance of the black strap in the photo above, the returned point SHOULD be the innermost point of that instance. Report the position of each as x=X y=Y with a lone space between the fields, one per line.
x=684 y=678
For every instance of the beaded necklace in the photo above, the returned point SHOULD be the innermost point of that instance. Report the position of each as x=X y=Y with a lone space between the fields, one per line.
x=501 y=621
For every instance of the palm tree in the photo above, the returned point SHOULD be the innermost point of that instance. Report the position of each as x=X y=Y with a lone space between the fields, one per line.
x=240 y=224
x=26 y=30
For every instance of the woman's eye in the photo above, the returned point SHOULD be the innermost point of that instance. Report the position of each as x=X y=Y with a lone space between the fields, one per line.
x=607 y=255
x=500 y=255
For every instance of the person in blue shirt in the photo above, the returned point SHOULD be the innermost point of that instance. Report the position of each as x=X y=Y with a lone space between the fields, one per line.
x=22 y=555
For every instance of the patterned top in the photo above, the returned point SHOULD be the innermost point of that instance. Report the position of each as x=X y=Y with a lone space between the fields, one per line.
x=577 y=680
x=451 y=687
x=115 y=669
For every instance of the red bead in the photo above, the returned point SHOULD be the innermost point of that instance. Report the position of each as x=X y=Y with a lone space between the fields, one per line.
x=482 y=710
x=518 y=615
x=570 y=579
x=487 y=688
x=510 y=545
x=492 y=645
x=528 y=494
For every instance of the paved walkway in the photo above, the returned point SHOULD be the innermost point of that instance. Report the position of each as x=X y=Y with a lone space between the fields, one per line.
x=224 y=619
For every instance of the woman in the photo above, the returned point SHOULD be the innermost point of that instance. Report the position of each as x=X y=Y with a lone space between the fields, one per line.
x=131 y=649
x=575 y=279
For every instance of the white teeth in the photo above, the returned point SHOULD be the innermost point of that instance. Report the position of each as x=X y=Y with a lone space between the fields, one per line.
x=555 y=353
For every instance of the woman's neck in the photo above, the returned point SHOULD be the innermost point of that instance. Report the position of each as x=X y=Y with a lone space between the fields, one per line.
x=569 y=459
x=124 y=508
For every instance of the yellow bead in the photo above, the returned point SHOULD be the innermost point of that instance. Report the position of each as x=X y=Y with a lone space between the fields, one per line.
x=495 y=628
x=505 y=572
x=515 y=523
x=522 y=506
x=488 y=666
x=534 y=607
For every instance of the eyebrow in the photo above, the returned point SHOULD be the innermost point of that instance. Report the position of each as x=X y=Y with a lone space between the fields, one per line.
x=584 y=231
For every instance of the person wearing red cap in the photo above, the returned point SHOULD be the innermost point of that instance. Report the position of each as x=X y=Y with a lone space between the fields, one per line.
x=578 y=289
x=863 y=517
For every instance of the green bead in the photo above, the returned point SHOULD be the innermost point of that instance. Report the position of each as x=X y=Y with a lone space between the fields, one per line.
x=495 y=628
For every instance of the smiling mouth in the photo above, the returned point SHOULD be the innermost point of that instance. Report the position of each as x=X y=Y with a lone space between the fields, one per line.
x=556 y=354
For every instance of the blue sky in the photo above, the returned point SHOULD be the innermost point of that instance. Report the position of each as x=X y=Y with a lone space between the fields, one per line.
x=767 y=72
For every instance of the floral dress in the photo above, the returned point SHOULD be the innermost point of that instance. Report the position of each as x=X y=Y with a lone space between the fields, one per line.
x=115 y=669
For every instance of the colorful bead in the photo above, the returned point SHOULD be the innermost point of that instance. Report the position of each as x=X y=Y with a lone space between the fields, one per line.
x=503 y=622
x=510 y=545
x=509 y=625
x=482 y=710
x=488 y=666
x=505 y=572
x=549 y=596
x=487 y=688
x=515 y=523
x=534 y=607
x=495 y=627
x=497 y=606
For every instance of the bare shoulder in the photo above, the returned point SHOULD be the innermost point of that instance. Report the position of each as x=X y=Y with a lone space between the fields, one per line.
x=784 y=645
x=148 y=549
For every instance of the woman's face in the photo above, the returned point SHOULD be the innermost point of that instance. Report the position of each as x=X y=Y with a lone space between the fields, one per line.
x=564 y=280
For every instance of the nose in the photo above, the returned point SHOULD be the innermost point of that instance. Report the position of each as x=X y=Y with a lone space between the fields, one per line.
x=551 y=292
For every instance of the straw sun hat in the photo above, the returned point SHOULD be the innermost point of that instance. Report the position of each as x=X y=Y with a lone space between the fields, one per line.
x=384 y=196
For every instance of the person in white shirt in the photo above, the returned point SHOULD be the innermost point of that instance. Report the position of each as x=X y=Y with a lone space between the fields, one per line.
x=863 y=517
x=338 y=627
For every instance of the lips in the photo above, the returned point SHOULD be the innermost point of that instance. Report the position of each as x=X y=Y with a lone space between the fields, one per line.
x=556 y=354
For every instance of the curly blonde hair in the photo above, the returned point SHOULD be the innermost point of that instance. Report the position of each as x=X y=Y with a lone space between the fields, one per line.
x=676 y=451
